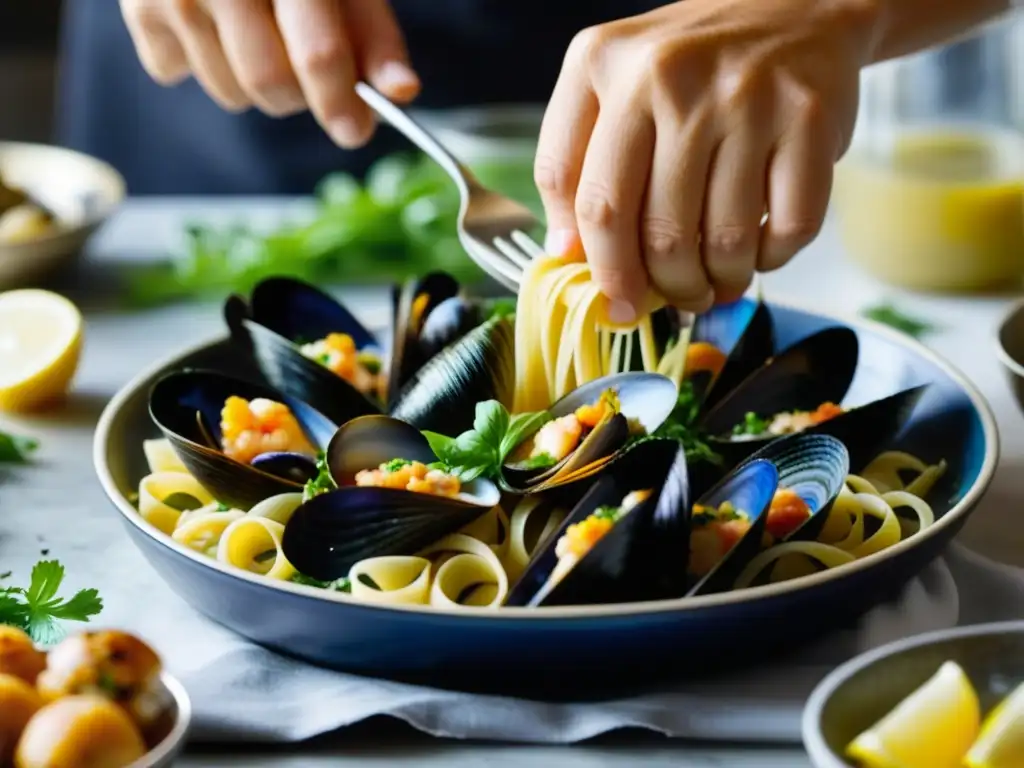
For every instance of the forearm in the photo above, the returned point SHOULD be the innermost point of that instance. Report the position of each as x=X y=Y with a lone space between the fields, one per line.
x=906 y=26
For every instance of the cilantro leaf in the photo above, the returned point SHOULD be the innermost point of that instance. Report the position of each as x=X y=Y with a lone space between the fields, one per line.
x=15 y=449
x=39 y=612
x=46 y=579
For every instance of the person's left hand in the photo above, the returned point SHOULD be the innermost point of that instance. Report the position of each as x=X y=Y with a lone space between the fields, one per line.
x=670 y=134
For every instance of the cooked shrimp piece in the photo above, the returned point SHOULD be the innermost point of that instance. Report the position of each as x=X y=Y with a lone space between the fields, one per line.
x=410 y=476
x=249 y=429
x=558 y=438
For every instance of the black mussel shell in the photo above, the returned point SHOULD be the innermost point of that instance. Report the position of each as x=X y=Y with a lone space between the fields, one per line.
x=416 y=301
x=186 y=406
x=750 y=488
x=816 y=370
x=284 y=314
x=297 y=467
x=643 y=557
x=442 y=395
x=331 y=532
x=867 y=429
x=645 y=399
x=815 y=468
x=448 y=322
x=754 y=348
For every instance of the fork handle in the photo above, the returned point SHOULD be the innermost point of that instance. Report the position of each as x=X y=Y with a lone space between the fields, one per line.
x=413 y=131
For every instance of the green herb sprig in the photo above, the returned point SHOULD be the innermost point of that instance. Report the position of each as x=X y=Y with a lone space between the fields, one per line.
x=15 y=449
x=887 y=314
x=39 y=611
x=338 y=585
x=681 y=425
x=322 y=483
x=481 y=451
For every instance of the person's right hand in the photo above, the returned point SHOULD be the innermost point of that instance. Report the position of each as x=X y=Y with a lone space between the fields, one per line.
x=282 y=56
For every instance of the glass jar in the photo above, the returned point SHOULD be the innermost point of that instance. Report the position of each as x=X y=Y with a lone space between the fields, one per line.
x=931 y=193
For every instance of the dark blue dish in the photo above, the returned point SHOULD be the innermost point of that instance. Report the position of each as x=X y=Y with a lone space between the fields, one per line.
x=570 y=652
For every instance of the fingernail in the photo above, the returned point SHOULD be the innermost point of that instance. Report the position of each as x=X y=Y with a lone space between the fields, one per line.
x=558 y=241
x=620 y=311
x=347 y=132
x=397 y=79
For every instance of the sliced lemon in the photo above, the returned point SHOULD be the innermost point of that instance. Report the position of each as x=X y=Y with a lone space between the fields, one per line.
x=1001 y=744
x=40 y=345
x=932 y=728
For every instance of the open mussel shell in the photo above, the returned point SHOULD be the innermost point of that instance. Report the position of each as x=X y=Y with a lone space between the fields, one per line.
x=415 y=301
x=448 y=322
x=284 y=314
x=815 y=468
x=751 y=351
x=297 y=467
x=186 y=406
x=645 y=400
x=330 y=533
x=642 y=557
x=750 y=489
x=442 y=395
x=818 y=369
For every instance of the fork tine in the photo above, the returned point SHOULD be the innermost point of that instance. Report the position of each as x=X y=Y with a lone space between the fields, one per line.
x=493 y=264
x=516 y=256
x=525 y=242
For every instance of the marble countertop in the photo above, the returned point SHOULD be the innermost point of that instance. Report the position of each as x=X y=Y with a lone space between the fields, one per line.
x=56 y=505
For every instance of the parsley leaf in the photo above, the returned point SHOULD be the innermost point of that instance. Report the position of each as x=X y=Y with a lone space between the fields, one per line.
x=15 y=449
x=681 y=426
x=338 y=585
x=887 y=314
x=38 y=611
x=752 y=424
x=322 y=483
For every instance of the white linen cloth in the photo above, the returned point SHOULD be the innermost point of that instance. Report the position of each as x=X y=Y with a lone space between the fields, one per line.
x=244 y=692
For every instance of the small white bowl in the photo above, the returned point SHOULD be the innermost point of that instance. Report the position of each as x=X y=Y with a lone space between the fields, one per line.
x=80 y=190
x=171 y=746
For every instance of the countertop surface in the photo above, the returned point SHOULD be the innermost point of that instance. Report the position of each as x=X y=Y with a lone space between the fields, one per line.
x=57 y=506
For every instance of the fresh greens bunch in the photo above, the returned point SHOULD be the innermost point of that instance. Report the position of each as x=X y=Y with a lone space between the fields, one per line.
x=15 y=449
x=39 y=611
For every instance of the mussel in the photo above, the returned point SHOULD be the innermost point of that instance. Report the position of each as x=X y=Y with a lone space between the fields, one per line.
x=448 y=322
x=387 y=501
x=799 y=387
x=748 y=351
x=641 y=506
x=414 y=303
x=589 y=426
x=310 y=347
x=192 y=407
x=442 y=395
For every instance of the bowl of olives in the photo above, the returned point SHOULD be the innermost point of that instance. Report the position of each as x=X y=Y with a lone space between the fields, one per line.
x=96 y=699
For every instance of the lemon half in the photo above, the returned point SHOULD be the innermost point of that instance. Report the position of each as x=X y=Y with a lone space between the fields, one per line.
x=1001 y=744
x=932 y=728
x=40 y=345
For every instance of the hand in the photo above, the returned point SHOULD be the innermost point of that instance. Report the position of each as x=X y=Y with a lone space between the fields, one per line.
x=282 y=56
x=670 y=134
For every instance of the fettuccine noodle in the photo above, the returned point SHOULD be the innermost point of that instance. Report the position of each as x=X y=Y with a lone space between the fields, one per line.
x=874 y=495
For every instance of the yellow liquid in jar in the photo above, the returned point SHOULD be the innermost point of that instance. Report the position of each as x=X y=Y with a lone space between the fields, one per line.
x=941 y=209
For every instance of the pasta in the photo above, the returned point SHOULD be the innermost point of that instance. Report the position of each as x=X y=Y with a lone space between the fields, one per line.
x=872 y=497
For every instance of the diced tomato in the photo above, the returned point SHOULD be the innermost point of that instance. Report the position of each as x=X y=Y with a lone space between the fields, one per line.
x=786 y=513
x=825 y=412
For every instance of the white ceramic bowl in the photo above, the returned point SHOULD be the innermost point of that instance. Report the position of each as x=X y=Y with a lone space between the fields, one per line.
x=80 y=190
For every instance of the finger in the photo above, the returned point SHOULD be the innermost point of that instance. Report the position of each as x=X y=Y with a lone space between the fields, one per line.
x=733 y=209
x=380 y=49
x=562 y=146
x=608 y=205
x=799 y=184
x=316 y=36
x=198 y=36
x=670 y=224
x=255 y=51
x=159 y=51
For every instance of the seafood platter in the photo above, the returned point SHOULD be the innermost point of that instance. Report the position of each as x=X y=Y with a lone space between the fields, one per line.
x=488 y=488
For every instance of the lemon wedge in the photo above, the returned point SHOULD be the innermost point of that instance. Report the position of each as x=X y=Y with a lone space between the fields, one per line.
x=40 y=345
x=932 y=728
x=1001 y=744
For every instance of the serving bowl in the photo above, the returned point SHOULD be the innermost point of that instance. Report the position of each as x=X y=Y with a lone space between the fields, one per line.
x=81 y=191
x=579 y=648
x=862 y=691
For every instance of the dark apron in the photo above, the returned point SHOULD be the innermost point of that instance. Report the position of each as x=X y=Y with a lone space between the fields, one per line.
x=177 y=141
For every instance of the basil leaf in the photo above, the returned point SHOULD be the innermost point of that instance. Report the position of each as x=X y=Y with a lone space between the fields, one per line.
x=491 y=423
x=441 y=445
x=471 y=450
x=522 y=426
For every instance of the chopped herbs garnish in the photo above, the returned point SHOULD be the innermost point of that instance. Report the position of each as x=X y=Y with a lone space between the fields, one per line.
x=481 y=451
x=338 y=585
x=607 y=513
x=15 y=449
x=221 y=507
x=887 y=314
x=540 y=461
x=322 y=483
x=183 y=502
x=681 y=425
x=324 y=359
x=724 y=514
x=394 y=465
x=38 y=611
x=752 y=424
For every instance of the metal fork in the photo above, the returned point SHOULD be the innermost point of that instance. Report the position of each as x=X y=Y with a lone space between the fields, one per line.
x=491 y=227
